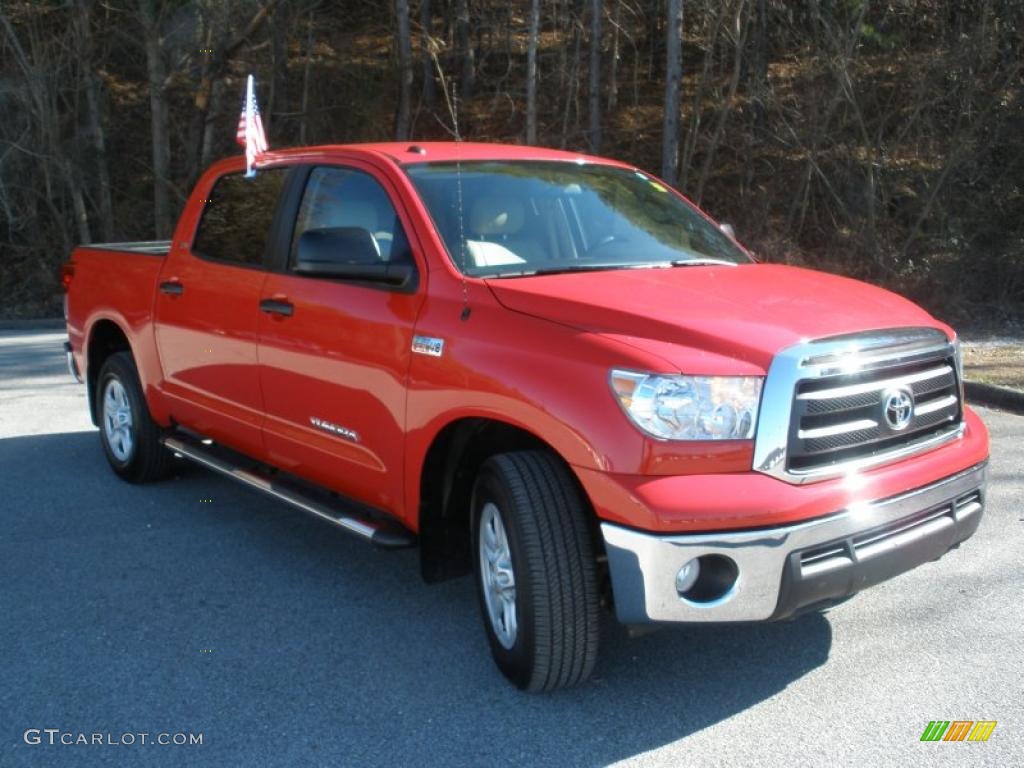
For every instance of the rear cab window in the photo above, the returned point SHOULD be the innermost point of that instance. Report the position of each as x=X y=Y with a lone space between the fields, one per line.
x=237 y=219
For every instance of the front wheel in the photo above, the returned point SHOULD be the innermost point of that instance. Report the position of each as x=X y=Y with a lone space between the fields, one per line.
x=535 y=570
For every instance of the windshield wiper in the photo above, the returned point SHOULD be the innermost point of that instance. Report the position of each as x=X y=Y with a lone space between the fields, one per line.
x=564 y=270
x=703 y=263
x=599 y=267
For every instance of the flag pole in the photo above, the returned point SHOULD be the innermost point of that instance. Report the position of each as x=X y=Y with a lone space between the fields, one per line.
x=249 y=132
x=250 y=156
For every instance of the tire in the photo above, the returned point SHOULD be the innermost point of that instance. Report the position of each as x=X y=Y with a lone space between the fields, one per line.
x=549 y=559
x=130 y=437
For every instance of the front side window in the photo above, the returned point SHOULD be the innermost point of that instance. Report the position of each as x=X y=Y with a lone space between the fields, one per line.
x=236 y=221
x=353 y=202
x=514 y=218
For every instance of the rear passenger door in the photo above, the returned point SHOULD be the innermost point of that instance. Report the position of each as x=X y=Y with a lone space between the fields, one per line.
x=334 y=353
x=207 y=311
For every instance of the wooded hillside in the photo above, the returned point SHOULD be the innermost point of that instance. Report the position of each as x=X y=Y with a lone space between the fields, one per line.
x=879 y=139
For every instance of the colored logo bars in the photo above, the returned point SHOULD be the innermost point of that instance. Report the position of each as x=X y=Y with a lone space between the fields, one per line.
x=958 y=730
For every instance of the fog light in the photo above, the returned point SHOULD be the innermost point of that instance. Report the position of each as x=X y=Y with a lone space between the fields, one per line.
x=687 y=576
x=707 y=579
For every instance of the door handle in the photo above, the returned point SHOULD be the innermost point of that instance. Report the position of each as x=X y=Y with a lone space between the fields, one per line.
x=172 y=288
x=277 y=307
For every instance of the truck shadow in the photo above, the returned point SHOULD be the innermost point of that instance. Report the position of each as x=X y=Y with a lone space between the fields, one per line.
x=323 y=648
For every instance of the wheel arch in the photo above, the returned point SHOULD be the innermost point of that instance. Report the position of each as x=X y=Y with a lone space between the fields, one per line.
x=106 y=337
x=446 y=481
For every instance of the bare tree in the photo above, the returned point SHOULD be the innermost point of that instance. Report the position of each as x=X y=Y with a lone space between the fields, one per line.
x=219 y=47
x=156 y=69
x=887 y=135
x=403 y=116
x=426 y=56
x=306 y=77
x=94 y=121
x=277 y=101
x=613 y=76
x=531 y=72
x=740 y=26
x=464 y=49
x=707 y=74
x=571 y=97
x=594 y=79
x=673 y=77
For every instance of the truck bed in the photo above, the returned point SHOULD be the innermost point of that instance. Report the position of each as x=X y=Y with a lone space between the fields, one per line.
x=112 y=283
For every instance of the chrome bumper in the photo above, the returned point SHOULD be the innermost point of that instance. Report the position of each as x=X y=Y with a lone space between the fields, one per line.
x=781 y=571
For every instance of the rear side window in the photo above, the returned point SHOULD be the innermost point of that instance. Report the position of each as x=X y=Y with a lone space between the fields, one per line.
x=237 y=219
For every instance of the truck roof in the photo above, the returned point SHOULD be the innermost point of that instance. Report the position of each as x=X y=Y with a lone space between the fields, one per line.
x=411 y=152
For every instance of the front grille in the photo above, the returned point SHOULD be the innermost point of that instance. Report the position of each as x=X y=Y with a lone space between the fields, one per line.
x=878 y=540
x=842 y=417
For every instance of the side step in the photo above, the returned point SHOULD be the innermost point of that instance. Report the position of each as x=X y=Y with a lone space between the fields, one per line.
x=379 y=531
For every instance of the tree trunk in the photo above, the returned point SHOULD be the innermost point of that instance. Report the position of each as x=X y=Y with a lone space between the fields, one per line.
x=594 y=93
x=759 y=70
x=427 y=23
x=97 y=136
x=673 y=76
x=278 y=99
x=531 y=73
x=405 y=73
x=209 y=142
x=613 y=77
x=573 y=86
x=157 y=72
x=306 y=72
x=757 y=88
x=77 y=203
x=198 y=130
x=464 y=49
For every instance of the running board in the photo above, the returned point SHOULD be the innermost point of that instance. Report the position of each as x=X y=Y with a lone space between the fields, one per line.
x=382 y=533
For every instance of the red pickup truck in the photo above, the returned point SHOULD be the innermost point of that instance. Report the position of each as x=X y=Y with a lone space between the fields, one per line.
x=549 y=369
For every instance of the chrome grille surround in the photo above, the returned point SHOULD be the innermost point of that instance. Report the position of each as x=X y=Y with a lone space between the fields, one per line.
x=821 y=408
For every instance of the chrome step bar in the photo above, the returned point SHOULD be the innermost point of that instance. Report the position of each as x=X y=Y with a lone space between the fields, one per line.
x=378 y=532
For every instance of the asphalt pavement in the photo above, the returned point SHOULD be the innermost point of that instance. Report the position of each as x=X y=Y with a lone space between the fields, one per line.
x=195 y=606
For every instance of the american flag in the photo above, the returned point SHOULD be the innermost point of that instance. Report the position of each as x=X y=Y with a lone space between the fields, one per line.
x=250 y=128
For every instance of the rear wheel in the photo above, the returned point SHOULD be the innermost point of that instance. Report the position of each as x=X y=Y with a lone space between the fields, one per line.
x=130 y=437
x=535 y=570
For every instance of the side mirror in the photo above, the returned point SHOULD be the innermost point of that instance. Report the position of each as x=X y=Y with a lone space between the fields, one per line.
x=348 y=253
x=727 y=228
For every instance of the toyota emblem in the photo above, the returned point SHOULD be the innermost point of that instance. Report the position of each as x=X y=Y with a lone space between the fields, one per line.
x=898 y=408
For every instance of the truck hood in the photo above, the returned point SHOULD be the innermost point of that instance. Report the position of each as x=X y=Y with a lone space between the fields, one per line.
x=749 y=312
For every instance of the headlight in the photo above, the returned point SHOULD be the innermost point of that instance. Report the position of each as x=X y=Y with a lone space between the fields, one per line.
x=689 y=407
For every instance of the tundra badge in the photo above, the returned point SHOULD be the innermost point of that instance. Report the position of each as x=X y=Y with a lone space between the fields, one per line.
x=428 y=345
x=334 y=429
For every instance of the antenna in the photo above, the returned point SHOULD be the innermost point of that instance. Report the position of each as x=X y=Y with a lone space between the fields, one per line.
x=452 y=101
x=462 y=211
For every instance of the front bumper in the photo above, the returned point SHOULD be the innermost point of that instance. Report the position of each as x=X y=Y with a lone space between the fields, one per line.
x=781 y=571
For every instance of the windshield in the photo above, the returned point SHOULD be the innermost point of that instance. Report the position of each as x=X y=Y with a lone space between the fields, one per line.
x=508 y=218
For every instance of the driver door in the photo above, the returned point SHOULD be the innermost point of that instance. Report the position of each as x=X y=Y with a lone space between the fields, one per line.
x=334 y=353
